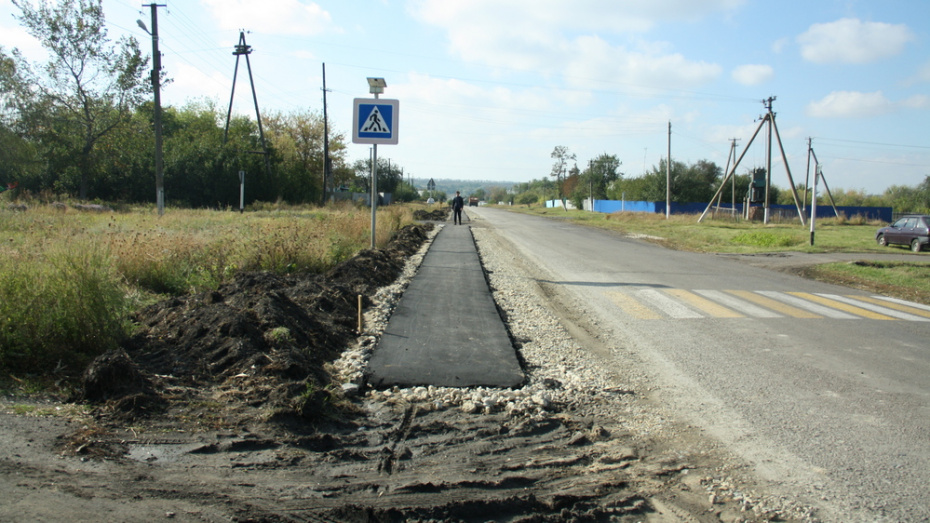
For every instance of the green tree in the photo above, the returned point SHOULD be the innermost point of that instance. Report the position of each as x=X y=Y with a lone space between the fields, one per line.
x=86 y=90
x=498 y=194
x=390 y=175
x=406 y=192
x=602 y=171
x=562 y=156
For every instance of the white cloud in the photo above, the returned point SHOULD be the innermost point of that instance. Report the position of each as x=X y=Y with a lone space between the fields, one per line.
x=779 y=45
x=292 y=17
x=751 y=74
x=190 y=83
x=846 y=104
x=918 y=101
x=853 y=41
x=554 y=37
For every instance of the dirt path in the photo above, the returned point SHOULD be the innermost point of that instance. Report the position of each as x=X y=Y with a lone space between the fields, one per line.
x=259 y=441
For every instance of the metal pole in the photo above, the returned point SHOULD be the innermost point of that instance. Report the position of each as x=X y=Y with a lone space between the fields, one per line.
x=374 y=188
x=241 y=192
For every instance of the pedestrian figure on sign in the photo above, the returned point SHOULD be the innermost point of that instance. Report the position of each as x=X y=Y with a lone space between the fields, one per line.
x=375 y=123
x=457 y=204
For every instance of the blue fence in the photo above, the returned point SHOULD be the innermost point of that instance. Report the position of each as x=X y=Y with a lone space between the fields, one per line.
x=823 y=211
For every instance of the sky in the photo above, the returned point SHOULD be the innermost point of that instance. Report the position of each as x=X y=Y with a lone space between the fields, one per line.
x=488 y=88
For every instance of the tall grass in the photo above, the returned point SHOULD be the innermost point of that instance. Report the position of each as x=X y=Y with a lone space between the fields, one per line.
x=68 y=280
x=61 y=313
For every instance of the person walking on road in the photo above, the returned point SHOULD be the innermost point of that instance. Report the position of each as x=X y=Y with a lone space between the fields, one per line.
x=457 y=204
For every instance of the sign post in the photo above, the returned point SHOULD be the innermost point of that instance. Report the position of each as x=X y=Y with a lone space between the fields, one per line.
x=374 y=121
x=241 y=192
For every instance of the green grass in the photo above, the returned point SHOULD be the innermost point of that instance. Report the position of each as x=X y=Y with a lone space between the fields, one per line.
x=909 y=281
x=683 y=232
x=69 y=280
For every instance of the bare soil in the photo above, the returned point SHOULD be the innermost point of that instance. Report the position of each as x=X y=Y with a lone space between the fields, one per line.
x=221 y=408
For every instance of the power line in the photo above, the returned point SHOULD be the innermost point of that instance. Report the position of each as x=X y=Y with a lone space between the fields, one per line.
x=880 y=144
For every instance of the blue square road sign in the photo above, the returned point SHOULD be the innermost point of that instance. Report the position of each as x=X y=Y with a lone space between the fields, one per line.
x=374 y=121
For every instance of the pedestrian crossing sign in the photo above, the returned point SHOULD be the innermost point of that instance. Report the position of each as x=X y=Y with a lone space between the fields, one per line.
x=374 y=121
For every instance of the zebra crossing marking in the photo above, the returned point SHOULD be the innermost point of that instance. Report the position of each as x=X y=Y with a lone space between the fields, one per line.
x=652 y=304
x=797 y=301
x=699 y=302
x=888 y=313
x=632 y=307
x=852 y=309
x=667 y=305
x=783 y=308
x=735 y=303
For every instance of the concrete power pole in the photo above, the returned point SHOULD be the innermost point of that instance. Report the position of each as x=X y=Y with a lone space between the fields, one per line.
x=156 y=86
x=668 y=175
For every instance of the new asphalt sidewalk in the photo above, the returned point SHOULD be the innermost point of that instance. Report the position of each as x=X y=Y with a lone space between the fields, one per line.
x=446 y=330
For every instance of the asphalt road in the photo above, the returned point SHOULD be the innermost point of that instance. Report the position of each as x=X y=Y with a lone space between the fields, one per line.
x=824 y=390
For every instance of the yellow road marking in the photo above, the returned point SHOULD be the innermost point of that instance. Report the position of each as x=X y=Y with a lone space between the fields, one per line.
x=775 y=305
x=833 y=304
x=632 y=307
x=704 y=304
x=892 y=305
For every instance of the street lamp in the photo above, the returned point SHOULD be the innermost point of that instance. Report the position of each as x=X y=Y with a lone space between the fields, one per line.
x=156 y=86
x=375 y=86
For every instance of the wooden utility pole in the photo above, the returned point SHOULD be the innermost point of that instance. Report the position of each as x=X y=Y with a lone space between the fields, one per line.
x=243 y=49
x=327 y=164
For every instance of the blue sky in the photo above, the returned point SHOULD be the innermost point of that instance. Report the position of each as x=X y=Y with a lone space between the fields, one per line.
x=488 y=88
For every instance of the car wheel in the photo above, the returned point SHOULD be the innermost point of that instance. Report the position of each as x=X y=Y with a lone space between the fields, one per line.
x=915 y=245
x=882 y=240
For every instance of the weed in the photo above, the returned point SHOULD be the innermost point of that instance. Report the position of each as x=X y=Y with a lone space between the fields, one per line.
x=279 y=335
x=765 y=239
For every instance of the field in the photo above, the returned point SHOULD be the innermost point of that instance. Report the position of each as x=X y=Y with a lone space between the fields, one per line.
x=70 y=278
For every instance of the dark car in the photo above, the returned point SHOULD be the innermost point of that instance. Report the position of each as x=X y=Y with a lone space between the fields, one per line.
x=913 y=230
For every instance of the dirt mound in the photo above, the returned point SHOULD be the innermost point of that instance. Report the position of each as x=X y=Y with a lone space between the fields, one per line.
x=111 y=376
x=437 y=215
x=265 y=337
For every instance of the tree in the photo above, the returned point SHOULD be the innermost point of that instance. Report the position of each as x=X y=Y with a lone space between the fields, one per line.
x=498 y=194
x=602 y=171
x=559 y=169
x=86 y=90
x=298 y=141
x=390 y=175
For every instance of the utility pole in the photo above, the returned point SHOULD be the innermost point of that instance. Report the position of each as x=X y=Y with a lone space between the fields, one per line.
x=327 y=165
x=668 y=174
x=768 y=118
x=807 y=175
x=243 y=49
x=156 y=86
x=768 y=158
x=733 y=156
